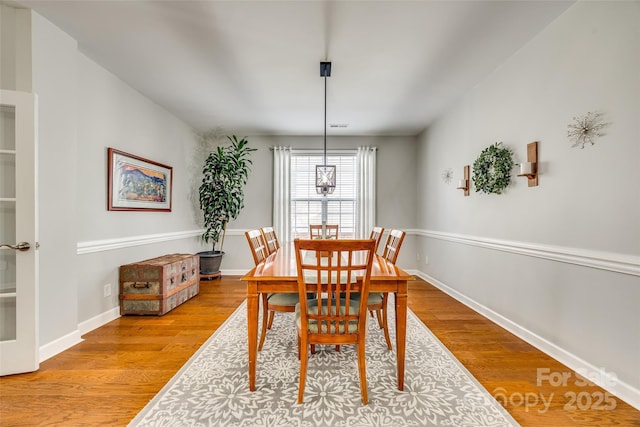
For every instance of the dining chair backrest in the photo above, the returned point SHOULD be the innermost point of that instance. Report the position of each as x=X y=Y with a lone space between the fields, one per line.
x=270 y=239
x=333 y=270
x=258 y=247
x=333 y=316
x=392 y=247
x=315 y=231
x=376 y=234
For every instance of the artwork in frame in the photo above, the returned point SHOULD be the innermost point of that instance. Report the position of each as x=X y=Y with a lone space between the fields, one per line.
x=137 y=184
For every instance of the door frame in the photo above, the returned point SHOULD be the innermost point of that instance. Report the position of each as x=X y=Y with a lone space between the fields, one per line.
x=22 y=354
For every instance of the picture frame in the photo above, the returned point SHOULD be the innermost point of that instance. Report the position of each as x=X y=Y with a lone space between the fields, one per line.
x=138 y=184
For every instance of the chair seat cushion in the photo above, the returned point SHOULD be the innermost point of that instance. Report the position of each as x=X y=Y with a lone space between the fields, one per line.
x=354 y=307
x=282 y=299
x=374 y=298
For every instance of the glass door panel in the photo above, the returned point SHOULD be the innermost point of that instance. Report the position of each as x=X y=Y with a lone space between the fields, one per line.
x=7 y=223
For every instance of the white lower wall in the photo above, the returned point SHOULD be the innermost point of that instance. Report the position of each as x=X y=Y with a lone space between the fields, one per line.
x=557 y=304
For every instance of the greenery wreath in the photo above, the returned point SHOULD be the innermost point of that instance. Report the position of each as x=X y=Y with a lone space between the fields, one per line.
x=492 y=169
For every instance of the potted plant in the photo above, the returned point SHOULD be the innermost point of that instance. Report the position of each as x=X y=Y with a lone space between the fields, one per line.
x=225 y=174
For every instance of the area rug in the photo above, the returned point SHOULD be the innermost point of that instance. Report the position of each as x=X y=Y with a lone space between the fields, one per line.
x=212 y=388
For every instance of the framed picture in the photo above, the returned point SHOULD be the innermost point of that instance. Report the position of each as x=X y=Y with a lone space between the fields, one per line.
x=137 y=184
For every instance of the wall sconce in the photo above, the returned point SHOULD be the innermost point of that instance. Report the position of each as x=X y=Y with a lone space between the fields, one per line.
x=463 y=184
x=530 y=167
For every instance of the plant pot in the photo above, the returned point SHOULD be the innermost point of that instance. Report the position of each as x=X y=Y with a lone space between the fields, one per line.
x=210 y=262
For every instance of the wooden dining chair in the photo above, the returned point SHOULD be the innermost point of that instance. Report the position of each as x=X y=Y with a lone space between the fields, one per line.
x=393 y=244
x=280 y=302
x=390 y=253
x=257 y=245
x=270 y=239
x=376 y=234
x=259 y=252
x=377 y=301
x=315 y=231
x=333 y=317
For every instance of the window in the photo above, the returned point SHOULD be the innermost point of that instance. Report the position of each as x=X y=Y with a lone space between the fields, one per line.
x=306 y=203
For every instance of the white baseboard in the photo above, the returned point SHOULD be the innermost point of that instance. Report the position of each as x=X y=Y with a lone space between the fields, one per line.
x=234 y=272
x=53 y=348
x=49 y=350
x=618 y=388
x=99 y=320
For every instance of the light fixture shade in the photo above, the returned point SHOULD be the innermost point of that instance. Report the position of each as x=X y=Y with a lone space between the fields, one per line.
x=325 y=179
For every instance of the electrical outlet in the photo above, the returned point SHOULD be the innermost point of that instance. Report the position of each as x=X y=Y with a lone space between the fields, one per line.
x=426 y=260
x=107 y=290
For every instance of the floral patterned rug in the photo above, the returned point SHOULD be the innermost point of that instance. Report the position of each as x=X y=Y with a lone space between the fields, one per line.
x=211 y=389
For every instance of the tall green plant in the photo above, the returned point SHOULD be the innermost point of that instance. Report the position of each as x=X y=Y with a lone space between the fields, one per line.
x=225 y=174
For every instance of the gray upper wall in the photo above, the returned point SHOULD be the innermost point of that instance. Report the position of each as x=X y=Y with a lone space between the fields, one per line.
x=395 y=181
x=395 y=199
x=558 y=264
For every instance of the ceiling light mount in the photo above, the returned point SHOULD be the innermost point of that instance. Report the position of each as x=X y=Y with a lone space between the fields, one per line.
x=325 y=69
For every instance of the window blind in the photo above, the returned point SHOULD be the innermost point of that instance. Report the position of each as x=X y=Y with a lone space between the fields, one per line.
x=306 y=203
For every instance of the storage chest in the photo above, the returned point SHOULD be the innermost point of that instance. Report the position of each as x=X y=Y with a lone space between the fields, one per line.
x=158 y=285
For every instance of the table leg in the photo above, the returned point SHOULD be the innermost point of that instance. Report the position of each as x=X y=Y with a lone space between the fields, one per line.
x=401 y=330
x=252 y=327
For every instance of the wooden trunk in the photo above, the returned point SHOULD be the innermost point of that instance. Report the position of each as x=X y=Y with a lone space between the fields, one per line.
x=158 y=285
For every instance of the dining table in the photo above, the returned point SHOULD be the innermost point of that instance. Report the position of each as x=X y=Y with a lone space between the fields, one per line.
x=278 y=273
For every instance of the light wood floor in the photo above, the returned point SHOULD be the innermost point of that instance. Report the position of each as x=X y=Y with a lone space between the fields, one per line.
x=118 y=368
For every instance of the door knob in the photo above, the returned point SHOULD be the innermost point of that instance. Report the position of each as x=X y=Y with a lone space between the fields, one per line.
x=22 y=246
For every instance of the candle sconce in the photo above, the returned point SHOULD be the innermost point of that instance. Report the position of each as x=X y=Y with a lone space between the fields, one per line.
x=530 y=167
x=463 y=184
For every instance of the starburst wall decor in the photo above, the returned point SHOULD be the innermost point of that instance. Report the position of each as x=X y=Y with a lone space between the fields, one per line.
x=447 y=175
x=586 y=129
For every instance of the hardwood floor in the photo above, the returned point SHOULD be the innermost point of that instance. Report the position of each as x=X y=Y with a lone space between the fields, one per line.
x=118 y=368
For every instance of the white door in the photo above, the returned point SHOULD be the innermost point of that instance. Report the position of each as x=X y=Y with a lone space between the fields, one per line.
x=18 y=234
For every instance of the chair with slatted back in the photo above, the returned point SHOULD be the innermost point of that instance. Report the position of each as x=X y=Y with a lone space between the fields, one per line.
x=377 y=301
x=315 y=231
x=281 y=302
x=392 y=246
x=259 y=252
x=333 y=317
x=390 y=253
x=270 y=239
x=331 y=232
x=376 y=234
x=257 y=245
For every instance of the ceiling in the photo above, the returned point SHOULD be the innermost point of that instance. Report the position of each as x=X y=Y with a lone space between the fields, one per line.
x=253 y=66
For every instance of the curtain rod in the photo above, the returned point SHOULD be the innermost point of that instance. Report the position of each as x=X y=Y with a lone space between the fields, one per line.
x=314 y=150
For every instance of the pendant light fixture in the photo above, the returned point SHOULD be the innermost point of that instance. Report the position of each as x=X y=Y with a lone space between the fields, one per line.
x=325 y=174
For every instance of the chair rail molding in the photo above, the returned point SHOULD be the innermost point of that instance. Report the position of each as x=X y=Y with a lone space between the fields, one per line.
x=610 y=261
x=93 y=246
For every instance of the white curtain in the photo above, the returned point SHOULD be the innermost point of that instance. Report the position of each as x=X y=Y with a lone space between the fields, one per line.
x=365 y=191
x=282 y=193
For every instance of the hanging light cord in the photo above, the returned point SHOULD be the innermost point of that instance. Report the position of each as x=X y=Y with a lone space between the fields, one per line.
x=325 y=119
